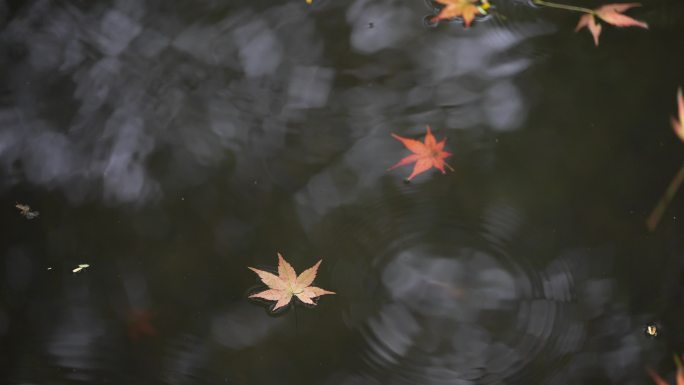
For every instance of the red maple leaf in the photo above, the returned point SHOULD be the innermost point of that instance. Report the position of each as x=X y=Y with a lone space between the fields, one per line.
x=611 y=14
x=426 y=155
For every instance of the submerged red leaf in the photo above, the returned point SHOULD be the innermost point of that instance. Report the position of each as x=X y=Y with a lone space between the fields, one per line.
x=140 y=324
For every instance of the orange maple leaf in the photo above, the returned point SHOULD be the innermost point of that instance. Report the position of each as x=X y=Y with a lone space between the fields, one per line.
x=426 y=155
x=455 y=8
x=285 y=285
x=679 y=376
x=611 y=14
x=678 y=125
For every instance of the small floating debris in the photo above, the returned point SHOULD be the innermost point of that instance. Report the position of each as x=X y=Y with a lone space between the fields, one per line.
x=652 y=329
x=80 y=268
x=25 y=210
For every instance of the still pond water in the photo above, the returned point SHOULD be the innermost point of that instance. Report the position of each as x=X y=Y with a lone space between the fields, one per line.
x=170 y=145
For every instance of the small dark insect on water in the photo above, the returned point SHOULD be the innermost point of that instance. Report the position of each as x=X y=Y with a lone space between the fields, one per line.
x=25 y=210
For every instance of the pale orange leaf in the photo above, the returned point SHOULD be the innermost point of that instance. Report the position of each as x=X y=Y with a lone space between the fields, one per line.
x=306 y=298
x=271 y=280
x=284 y=299
x=611 y=14
x=286 y=284
x=286 y=271
x=317 y=291
x=307 y=277
x=270 y=294
x=590 y=22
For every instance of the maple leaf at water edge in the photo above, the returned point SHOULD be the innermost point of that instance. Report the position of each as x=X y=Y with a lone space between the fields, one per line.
x=678 y=125
x=455 y=8
x=679 y=376
x=611 y=14
x=285 y=285
x=426 y=155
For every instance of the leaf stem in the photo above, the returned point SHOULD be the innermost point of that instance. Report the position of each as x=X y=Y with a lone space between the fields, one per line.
x=659 y=210
x=564 y=6
x=296 y=321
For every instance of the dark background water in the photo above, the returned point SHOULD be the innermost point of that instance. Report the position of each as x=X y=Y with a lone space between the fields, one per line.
x=169 y=145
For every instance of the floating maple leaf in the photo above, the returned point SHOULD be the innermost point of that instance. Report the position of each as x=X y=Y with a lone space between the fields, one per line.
x=426 y=155
x=678 y=125
x=285 y=285
x=679 y=377
x=463 y=8
x=611 y=14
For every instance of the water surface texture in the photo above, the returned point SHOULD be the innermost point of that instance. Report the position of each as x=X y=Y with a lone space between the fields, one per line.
x=169 y=145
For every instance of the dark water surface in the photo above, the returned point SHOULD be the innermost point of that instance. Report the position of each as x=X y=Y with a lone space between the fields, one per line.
x=171 y=144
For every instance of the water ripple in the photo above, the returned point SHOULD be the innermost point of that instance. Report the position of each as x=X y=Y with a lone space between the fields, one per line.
x=453 y=300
